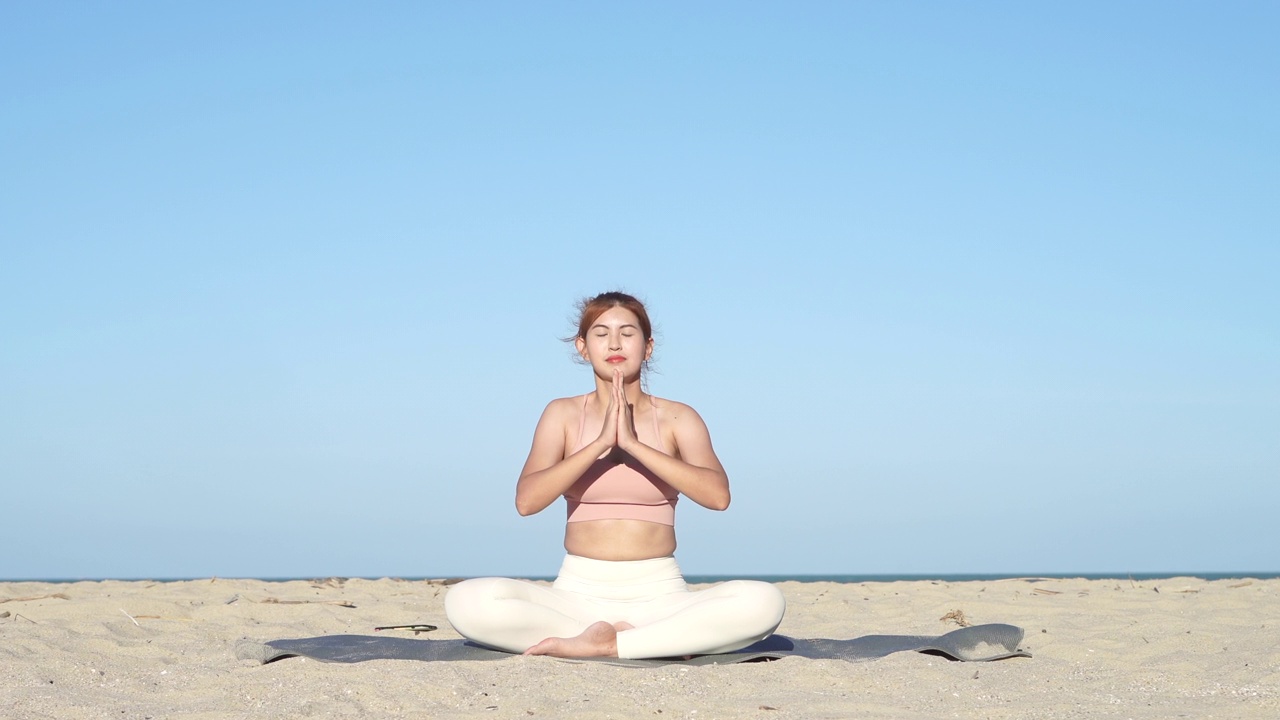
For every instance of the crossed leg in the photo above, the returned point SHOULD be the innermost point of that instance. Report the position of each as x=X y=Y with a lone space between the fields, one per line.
x=521 y=617
x=600 y=639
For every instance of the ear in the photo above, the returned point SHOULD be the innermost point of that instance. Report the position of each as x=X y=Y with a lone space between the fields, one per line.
x=648 y=350
x=581 y=345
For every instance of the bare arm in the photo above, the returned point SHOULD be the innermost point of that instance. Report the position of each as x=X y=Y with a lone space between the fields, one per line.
x=547 y=473
x=697 y=472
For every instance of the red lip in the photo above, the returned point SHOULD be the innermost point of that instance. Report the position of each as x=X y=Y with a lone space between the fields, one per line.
x=615 y=359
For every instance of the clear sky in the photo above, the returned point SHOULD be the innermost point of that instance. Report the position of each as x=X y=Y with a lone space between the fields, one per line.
x=958 y=287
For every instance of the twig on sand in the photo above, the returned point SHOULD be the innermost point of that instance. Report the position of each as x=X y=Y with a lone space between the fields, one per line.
x=278 y=601
x=135 y=621
x=417 y=628
x=60 y=596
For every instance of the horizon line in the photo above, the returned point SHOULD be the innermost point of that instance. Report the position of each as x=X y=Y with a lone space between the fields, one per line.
x=698 y=578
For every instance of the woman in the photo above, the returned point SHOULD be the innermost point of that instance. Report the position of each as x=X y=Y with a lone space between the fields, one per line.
x=621 y=458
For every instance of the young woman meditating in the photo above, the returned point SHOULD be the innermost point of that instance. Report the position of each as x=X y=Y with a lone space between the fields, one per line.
x=621 y=458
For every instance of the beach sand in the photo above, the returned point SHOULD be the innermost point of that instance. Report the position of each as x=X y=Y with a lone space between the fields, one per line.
x=1179 y=647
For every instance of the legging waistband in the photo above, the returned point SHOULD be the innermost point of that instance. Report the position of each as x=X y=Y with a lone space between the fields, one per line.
x=620 y=580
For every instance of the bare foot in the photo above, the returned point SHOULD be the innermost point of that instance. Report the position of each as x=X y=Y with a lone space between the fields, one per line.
x=598 y=640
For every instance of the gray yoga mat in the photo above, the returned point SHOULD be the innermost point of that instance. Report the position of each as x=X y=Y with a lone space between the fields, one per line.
x=979 y=643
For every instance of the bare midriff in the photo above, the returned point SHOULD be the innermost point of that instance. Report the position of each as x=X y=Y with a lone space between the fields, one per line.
x=619 y=539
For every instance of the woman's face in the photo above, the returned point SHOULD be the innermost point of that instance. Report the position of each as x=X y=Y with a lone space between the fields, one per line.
x=615 y=341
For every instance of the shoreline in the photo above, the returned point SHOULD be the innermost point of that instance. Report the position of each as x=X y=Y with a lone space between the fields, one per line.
x=695 y=579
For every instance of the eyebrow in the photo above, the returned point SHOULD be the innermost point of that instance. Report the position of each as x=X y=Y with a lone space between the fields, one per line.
x=606 y=327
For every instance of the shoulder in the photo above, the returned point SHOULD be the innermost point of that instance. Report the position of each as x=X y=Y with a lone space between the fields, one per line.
x=676 y=413
x=686 y=431
x=563 y=408
x=559 y=419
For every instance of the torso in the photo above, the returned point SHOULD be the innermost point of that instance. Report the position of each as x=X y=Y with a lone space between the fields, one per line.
x=615 y=538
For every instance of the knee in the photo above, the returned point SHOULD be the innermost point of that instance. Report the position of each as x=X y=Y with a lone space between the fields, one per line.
x=763 y=602
x=466 y=601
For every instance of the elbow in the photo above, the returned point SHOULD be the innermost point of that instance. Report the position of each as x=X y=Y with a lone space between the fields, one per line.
x=720 y=503
x=525 y=505
x=527 y=501
x=528 y=505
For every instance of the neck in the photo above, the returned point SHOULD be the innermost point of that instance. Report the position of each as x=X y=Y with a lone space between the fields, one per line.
x=631 y=389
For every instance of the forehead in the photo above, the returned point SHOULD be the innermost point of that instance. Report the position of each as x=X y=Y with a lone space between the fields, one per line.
x=617 y=316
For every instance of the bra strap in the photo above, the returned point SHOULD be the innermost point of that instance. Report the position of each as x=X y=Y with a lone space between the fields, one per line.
x=582 y=422
x=657 y=433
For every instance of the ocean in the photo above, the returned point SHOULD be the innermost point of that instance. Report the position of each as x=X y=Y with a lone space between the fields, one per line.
x=836 y=578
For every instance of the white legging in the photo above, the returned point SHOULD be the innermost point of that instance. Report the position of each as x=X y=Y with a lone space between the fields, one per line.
x=669 y=619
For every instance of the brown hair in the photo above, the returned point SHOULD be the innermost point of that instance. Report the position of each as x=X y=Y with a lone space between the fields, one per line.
x=590 y=309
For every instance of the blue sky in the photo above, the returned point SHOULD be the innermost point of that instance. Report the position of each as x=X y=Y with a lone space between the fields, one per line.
x=958 y=287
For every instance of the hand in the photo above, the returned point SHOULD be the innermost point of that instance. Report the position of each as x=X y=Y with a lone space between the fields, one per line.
x=609 y=432
x=625 y=421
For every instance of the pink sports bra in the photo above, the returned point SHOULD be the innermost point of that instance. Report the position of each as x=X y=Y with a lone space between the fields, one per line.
x=610 y=490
